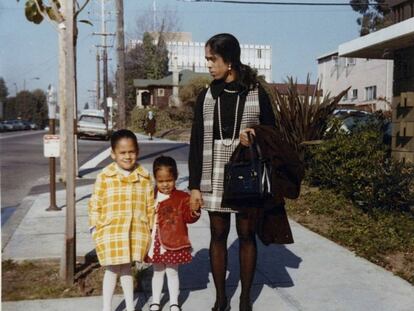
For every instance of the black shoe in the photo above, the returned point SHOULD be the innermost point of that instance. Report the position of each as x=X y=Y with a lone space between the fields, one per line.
x=216 y=307
x=246 y=308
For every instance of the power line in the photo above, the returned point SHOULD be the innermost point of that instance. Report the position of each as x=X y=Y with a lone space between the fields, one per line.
x=285 y=3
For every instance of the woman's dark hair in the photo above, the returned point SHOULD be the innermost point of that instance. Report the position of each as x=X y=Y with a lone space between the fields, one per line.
x=167 y=162
x=120 y=134
x=227 y=46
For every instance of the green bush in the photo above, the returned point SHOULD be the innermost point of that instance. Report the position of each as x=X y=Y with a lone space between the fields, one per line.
x=358 y=165
x=166 y=119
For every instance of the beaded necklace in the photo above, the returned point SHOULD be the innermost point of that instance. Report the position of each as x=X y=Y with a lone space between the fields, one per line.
x=235 y=121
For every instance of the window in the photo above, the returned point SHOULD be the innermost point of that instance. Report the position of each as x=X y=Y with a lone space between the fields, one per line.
x=345 y=96
x=160 y=93
x=335 y=60
x=259 y=53
x=350 y=61
x=354 y=93
x=92 y=119
x=371 y=92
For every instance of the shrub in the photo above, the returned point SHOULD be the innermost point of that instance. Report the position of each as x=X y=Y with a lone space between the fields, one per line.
x=188 y=93
x=301 y=118
x=166 y=119
x=358 y=165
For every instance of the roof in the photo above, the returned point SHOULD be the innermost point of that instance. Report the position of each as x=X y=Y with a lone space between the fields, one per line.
x=283 y=88
x=184 y=77
x=382 y=43
x=328 y=54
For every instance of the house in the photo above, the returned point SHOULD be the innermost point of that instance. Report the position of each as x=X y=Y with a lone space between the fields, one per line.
x=395 y=42
x=370 y=80
x=190 y=55
x=163 y=92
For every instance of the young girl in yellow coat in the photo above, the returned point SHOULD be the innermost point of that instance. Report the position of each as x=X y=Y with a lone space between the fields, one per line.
x=121 y=213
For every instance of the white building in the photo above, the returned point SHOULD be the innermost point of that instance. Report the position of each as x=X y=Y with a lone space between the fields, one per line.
x=190 y=55
x=370 y=80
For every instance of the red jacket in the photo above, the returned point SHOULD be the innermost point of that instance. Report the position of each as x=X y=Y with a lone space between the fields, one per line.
x=173 y=216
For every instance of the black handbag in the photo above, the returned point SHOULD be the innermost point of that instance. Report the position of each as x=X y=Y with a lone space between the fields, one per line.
x=247 y=183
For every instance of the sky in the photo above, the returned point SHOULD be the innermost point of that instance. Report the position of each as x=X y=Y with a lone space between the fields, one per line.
x=297 y=35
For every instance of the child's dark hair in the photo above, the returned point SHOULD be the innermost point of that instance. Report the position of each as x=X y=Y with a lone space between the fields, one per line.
x=120 y=134
x=168 y=162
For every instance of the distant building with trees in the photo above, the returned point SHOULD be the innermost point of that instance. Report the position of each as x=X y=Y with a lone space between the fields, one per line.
x=190 y=55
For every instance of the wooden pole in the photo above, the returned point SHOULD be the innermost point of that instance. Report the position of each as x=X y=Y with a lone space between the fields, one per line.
x=69 y=256
x=52 y=172
x=120 y=76
x=105 y=65
x=98 y=80
x=105 y=86
x=62 y=102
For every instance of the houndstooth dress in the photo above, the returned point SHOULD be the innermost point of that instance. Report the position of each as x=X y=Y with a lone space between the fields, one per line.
x=215 y=158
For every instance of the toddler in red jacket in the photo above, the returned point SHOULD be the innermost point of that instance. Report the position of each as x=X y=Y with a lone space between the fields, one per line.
x=170 y=243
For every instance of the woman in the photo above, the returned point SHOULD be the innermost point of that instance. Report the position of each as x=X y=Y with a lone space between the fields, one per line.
x=223 y=115
x=150 y=124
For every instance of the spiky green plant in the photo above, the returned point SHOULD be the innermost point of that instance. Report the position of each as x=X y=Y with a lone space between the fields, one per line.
x=302 y=118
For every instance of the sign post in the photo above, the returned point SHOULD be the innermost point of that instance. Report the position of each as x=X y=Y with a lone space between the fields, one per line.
x=52 y=147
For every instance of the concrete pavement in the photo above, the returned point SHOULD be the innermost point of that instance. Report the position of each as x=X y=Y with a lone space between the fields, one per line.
x=312 y=274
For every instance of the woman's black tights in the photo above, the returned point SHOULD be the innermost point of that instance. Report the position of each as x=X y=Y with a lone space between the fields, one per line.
x=220 y=227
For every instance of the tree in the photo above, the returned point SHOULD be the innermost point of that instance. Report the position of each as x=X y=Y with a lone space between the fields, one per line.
x=9 y=111
x=29 y=106
x=374 y=15
x=156 y=57
x=4 y=92
x=54 y=11
x=146 y=60
x=164 y=20
x=188 y=93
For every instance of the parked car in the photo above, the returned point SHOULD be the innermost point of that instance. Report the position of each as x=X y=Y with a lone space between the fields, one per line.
x=348 y=120
x=2 y=127
x=30 y=125
x=14 y=125
x=91 y=123
x=7 y=126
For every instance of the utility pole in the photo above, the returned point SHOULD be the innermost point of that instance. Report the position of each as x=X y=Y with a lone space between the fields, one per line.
x=67 y=267
x=105 y=85
x=120 y=74
x=62 y=102
x=105 y=59
x=98 y=80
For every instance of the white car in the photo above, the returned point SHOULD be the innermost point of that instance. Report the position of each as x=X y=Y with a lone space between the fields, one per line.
x=92 y=124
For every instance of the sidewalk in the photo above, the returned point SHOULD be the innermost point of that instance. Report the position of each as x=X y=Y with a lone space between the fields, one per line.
x=312 y=274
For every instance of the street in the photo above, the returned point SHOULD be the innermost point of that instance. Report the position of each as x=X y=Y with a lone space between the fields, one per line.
x=23 y=165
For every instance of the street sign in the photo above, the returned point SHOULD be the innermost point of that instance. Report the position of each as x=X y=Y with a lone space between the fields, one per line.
x=109 y=101
x=51 y=146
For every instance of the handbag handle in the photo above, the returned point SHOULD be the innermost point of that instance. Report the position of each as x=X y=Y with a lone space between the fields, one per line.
x=255 y=152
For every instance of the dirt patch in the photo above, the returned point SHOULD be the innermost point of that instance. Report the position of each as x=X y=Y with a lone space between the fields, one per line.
x=41 y=280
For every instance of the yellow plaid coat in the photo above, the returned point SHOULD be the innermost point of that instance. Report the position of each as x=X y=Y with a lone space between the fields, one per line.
x=122 y=210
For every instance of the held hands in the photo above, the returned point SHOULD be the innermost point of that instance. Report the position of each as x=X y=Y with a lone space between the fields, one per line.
x=244 y=138
x=196 y=202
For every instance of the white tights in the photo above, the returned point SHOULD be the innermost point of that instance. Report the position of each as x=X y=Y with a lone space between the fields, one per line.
x=109 y=283
x=172 y=281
